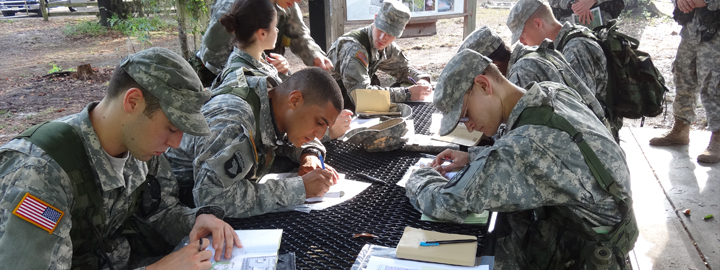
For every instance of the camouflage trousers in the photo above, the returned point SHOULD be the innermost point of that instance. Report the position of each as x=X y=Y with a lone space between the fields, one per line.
x=697 y=71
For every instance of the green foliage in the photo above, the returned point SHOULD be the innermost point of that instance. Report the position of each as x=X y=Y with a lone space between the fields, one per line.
x=139 y=28
x=55 y=68
x=85 y=28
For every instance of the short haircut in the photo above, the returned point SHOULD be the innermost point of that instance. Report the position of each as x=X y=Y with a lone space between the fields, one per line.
x=494 y=73
x=316 y=85
x=121 y=81
x=543 y=12
x=501 y=54
x=246 y=17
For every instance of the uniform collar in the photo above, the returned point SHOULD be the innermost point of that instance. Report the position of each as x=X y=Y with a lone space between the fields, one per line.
x=102 y=168
x=536 y=95
x=566 y=28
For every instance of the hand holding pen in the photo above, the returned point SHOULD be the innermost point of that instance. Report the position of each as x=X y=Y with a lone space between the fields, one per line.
x=458 y=159
x=419 y=90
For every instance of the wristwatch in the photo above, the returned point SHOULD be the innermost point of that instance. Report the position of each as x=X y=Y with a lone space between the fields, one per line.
x=408 y=94
x=213 y=210
x=312 y=150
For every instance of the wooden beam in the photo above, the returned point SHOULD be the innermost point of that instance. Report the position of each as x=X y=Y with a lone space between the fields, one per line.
x=52 y=5
x=334 y=21
x=44 y=10
x=422 y=29
x=470 y=18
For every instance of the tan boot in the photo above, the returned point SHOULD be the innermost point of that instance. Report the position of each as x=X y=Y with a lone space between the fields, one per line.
x=712 y=153
x=679 y=135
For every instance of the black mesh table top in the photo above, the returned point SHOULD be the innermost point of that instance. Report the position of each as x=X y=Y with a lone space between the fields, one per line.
x=323 y=239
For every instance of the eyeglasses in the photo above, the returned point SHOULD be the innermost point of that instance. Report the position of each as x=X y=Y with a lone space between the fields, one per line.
x=463 y=117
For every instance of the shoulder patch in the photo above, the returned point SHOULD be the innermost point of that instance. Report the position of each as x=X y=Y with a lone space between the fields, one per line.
x=360 y=55
x=38 y=212
x=233 y=165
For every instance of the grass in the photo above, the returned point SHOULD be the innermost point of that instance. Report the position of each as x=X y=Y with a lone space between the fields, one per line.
x=85 y=28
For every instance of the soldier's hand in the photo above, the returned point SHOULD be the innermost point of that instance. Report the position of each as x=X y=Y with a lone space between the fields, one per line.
x=459 y=159
x=419 y=92
x=279 y=62
x=342 y=124
x=224 y=237
x=323 y=62
x=318 y=182
x=698 y=3
x=582 y=9
x=193 y=257
x=310 y=162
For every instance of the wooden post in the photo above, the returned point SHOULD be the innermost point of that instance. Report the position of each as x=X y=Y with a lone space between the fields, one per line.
x=43 y=10
x=469 y=20
x=334 y=21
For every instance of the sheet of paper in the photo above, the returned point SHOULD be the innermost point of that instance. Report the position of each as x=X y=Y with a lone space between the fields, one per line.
x=361 y=123
x=381 y=263
x=259 y=251
x=344 y=190
x=370 y=100
x=479 y=219
x=422 y=163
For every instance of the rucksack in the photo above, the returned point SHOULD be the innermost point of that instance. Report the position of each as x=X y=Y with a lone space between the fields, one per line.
x=635 y=86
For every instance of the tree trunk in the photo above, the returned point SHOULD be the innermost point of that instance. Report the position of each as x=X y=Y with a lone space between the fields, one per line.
x=182 y=16
x=640 y=7
x=110 y=8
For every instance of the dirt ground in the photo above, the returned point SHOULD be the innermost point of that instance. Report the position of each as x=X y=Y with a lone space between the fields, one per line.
x=31 y=46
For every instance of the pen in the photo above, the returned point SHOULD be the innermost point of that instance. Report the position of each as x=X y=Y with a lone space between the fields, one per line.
x=322 y=161
x=370 y=178
x=434 y=157
x=412 y=80
x=437 y=243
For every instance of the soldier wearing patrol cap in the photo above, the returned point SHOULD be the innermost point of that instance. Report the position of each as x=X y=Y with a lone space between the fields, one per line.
x=93 y=191
x=358 y=54
x=535 y=173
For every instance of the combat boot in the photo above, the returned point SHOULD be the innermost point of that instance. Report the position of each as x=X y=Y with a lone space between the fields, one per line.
x=679 y=135
x=712 y=153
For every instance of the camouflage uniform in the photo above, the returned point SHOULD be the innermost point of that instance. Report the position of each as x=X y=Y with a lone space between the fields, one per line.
x=352 y=68
x=697 y=69
x=225 y=165
x=28 y=169
x=216 y=42
x=525 y=68
x=528 y=168
x=565 y=8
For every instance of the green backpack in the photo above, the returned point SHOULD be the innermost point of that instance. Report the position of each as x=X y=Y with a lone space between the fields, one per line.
x=635 y=86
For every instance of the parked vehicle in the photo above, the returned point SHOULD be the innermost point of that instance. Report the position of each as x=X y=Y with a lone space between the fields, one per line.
x=10 y=7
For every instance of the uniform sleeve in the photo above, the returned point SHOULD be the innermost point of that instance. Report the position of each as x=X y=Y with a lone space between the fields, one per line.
x=522 y=74
x=355 y=74
x=713 y=4
x=301 y=43
x=24 y=245
x=171 y=219
x=398 y=65
x=216 y=47
x=224 y=165
x=561 y=4
x=294 y=153
x=588 y=61
x=514 y=176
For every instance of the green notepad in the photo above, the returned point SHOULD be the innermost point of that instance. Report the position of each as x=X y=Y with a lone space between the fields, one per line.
x=479 y=219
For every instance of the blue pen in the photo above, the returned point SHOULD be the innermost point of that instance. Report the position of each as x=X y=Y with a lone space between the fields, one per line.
x=437 y=243
x=322 y=161
x=412 y=80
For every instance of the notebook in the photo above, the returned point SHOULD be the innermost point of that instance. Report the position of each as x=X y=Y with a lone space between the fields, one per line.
x=456 y=254
x=259 y=251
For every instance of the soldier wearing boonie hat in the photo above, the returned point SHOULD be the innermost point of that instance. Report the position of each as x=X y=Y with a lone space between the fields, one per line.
x=519 y=14
x=358 y=54
x=532 y=169
x=488 y=43
x=111 y=151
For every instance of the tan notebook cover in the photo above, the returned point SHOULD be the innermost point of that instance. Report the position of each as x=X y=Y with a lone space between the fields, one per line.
x=461 y=136
x=457 y=254
x=370 y=100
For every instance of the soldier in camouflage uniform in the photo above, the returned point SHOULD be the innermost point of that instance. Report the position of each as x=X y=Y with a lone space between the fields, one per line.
x=222 y=169
x=532 y=21
x=531 y=170
x=696 y=69
x=153 y=97
x=216 y=43
x=528 y=64
x=564 y=9
x=358 y=54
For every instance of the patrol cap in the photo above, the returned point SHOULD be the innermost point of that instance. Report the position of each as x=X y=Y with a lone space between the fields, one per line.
x=455 y=80
x=484 y=41
x=173 y=81
x=519 y=14
x=392 y=18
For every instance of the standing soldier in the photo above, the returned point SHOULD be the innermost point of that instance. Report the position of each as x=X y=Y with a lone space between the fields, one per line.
x=216 y=43
x=358 y=54
x=564 y=9
x=696 y=69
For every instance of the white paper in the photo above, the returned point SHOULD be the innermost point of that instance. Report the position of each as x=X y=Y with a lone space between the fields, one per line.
x=381 y=263
x=344 y=190
x=259 y=251
x=366 y=9
x=360 y=123
x=422 y=163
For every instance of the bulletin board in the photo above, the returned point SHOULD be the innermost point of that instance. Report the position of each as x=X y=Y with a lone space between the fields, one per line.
x=364 y=10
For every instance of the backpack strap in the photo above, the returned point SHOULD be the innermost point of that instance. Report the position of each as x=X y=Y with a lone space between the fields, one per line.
x=577 y=32
x=625 y=232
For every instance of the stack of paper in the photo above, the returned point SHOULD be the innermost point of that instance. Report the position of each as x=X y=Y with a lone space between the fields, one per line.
x=344 y=190
x=259 y=251
x=457 y=254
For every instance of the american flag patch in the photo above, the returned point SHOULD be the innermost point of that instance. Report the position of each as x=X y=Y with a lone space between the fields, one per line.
x=362 y=58
x=38 y=212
